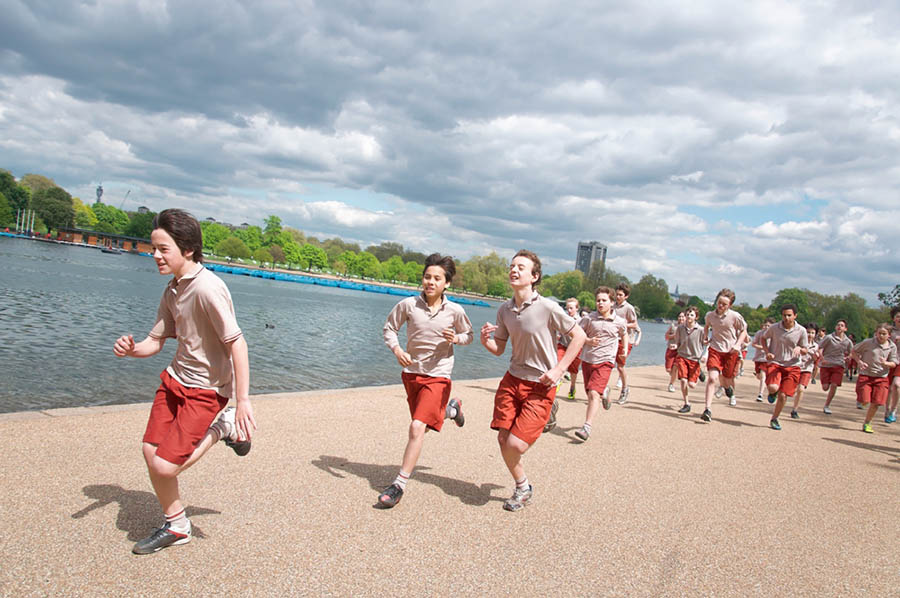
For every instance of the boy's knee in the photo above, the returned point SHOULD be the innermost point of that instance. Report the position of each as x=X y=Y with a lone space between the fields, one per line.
x=417 y=429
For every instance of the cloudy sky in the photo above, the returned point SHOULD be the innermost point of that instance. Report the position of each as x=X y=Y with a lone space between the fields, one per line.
x=750 y=145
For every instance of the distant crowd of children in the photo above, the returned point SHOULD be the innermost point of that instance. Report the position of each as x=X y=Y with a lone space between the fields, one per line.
x=189 y=413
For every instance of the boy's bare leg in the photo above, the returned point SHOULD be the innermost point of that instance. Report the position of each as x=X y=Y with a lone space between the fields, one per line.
x=797 y=397
x=164 y=474
x=673 y=375
x=870 y=414
x=592 y=407
x=512 y=448
x=684 y=390
x=893 y=396
x=622 y=376
x=712 y=381
x=831 y=388
x=414 y=444
x=762 y=383
x=779 y=405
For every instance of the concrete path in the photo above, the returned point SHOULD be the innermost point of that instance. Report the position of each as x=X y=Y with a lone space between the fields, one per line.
x=654 y=504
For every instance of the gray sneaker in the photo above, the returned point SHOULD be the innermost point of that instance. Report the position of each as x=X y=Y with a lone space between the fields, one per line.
x=519 y=499
x=228 y=432
x=582 y=434
x=460 y=419
x=551 y=423
x=160 y=539
x=623 y=396
x=605 y=398
x=826 y=410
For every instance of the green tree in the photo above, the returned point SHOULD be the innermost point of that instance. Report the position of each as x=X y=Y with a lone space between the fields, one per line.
x=313 y=257
x=569 y=284
x=262 y=256
x=334 y=247
x=348 y=260
x=414 y=271
x=386 y=251
x=54 y=206
x=37 y=182
x=277 y=254
x=252 y=237
x=587 y=299
x=367 y=265
x=232 y=247
x=84 y=215
x=272 y=230
x=6 y=214
x=414 y=256
x=651 y=296
x=213 y=234
x=297 y=235
x=141 y=225
x=793 y=295
x=701 y=306
x=393 y=268
x=115 y=219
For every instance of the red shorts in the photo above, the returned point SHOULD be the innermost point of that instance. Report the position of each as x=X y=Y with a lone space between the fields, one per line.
x=805 y=378
x=573 y=367
x=671 y=354
x=522 y=407
x=180 y=417
x=427 y=397
x=895 y=373
x=760 y=366
x=872 y=390
x=688 y=369
x=620 y=359
x=787 y=378
x=596 y=375
x=726 y=363
x=831 y=375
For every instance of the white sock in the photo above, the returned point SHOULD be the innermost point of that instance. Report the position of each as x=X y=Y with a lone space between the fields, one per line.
x=522 y=484
x=587 y=427
x=401 y=479
x=451 y=412
x=178 y=522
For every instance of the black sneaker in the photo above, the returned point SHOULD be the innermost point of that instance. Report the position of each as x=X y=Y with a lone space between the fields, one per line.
x=582 y=434
x=702 y=376
x=794 y=414
x=551 y=423
x=685 y=409
x=228 y=432
x=460 y=419
x=707 y=415
x=729 y=392
x=390 y=496
x=159 y=539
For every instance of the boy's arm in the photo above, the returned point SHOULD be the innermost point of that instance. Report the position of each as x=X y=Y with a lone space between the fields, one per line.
x=463 y=329
x=243 y=416
x=550 y=378
x=490 y=343
x=392 y=325
x=126 y=347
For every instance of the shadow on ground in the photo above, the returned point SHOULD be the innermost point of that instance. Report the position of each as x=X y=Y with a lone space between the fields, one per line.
x=139 y=512
x=380 y=476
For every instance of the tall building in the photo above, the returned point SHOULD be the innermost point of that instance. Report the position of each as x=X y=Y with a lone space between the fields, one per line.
x=588 y=253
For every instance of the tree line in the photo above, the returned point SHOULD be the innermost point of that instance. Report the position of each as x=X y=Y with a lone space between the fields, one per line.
x=275 y=244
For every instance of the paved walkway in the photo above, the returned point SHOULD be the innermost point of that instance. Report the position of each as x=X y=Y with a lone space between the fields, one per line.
x=654 y=504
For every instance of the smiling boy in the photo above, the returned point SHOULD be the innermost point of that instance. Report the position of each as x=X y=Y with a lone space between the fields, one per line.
x=784 y=343
x=210 y=365
x=524 y=398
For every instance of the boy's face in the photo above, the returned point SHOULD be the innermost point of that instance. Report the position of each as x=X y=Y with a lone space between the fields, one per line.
x=840 y=328
x=521 y=272
x=434 y=281
x=620 y=296
x=604 y=303
x=896 y=319
x=571 y=308
x=690 y=318
x=169 y=258
x=681 y=318
x=810 y=334
x=723 y=303
x=788 y=317
x=882 y=335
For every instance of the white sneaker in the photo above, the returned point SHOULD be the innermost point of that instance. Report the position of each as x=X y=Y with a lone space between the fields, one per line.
x=719 y=392
x=619 y=383
x=759 y=398
x=623 y=396
x=732 y=401
x=827 y=410
x=671 y=388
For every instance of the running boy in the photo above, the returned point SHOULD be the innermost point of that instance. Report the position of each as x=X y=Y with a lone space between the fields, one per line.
x=606 y=337
x=784 y=343
x=562 y=343
x=807 y=363
x=728 y=333
x=760 y=363
x=434 y=325
x=524 y=398
x=195 y=309
x=834 y=350
x=877 y=357
x=672 y=351
x=627 y=312
x=890 y=411
x=689 y=339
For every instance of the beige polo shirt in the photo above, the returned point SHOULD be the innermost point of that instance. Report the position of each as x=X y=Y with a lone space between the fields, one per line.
x=689 y=341
x=198 y=312
x=872 y=353
x=609 y=330
x=835 y=350
x=432 y=354
x=532 y=330
x=725 y=330
x=627 y=312
x=781 y=343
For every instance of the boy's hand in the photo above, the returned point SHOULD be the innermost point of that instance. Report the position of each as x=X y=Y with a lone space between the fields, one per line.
x=486 y=331
x=403 y=358
x=551 y=377
x=124 y=346
x=770 y=356
x=863 y=365
x=796 y=351
x=243 y=419
x=449 y=334
x=593 y=341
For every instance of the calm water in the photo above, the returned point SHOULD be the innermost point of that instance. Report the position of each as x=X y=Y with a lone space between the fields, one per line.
x=61 y=309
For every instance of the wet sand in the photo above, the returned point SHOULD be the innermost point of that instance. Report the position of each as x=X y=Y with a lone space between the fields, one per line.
x=654 y=504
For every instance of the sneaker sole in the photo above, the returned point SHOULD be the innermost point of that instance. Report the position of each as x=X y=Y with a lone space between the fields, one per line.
x=241 y=448
x=517 y=506
x=178 y=542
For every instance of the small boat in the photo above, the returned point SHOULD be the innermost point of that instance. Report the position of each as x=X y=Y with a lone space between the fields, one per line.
x=113 y=250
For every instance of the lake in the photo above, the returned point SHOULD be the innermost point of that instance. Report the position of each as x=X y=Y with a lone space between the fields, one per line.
x=62 y=307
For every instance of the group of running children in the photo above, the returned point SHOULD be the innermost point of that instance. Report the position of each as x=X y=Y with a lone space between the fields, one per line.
x=189 y=413
x=788 y=356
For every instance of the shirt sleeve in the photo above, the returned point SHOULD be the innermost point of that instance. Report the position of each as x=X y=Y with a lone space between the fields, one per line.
x=463 y=326
x=392 y=325
x=165 y=321
x=216 y=304
x=560 y=321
